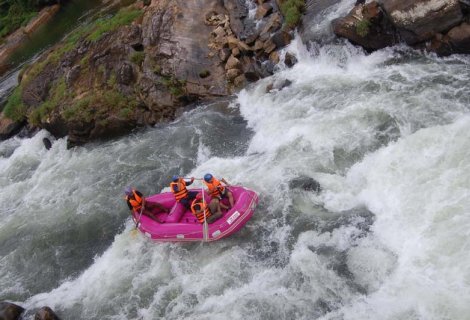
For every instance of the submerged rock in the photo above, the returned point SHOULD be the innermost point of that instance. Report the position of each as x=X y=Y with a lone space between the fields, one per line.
x=305 y=183
x=45 y=313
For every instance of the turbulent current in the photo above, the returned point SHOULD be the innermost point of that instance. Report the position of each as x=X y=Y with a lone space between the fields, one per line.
x=386 y=135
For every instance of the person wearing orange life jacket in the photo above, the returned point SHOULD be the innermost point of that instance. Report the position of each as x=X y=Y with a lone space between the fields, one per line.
x=136 y=201
x=217 y=190
x=182 y=195
x=200 y=208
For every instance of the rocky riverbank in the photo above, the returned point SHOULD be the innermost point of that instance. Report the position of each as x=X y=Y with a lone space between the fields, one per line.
x=440 y=26
x=17 y=38
x=139 y=67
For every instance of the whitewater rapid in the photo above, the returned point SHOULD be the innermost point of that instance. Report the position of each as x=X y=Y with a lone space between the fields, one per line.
x=385 y=134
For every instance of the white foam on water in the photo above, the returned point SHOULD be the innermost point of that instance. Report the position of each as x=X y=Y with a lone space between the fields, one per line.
x=419 y=190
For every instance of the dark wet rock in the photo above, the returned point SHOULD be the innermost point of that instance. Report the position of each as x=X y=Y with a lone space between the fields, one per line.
x=290 y=59
x=367 y=26
x=459 y=38
x=420 y=20
x=45 y=313
x=10 y=311
x=281 y=38
x=305 y=183
x=278 y=85
x=47 y=143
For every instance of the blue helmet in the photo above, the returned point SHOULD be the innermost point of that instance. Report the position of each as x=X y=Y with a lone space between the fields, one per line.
x=128 y=191
x=207 y=177
x=175 y=178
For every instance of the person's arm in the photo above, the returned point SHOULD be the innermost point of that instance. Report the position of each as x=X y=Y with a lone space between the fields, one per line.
x=129 y=204
x=226 y=183
x=188 y=183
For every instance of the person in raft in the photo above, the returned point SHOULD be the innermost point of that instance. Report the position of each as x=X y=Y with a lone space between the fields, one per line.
x=217 y=190
x=182 y=195
x=136 y=202
x=200 y=208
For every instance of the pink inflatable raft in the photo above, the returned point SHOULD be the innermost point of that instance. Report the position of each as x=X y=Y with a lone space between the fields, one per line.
x=181 y=225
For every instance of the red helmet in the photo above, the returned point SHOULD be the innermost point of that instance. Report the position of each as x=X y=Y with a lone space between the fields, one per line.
x=199 y=196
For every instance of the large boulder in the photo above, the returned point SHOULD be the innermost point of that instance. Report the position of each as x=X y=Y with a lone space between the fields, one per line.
x=367 y=26
x=10 y=311
x=457 y=40
x=420 y=20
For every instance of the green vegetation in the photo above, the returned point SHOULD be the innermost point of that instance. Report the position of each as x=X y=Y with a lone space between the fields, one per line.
x=16 y=13
x=175 y=86
x=14 y=108
x=363 y=27
x=99 y=106
x=138 y=57
x=292 y=11
x=57 y=95
x=123 y=17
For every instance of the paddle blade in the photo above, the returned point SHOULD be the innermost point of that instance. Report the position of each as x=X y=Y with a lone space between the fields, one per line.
x=134 y=232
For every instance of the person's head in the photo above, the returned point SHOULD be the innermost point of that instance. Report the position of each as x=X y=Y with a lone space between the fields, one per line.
x=175 y=178
x=208 y=177
x=197 y=207
x=199 y=196
x=128 y=191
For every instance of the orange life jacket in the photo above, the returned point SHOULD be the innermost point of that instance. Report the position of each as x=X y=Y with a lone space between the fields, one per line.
x=204 y=208
x=182 y=191
x=216 y=189
x=135 y=201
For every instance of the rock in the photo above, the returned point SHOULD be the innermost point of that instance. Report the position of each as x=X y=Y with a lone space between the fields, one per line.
x=459 y=38
x=240 y=81
x=274 y=57
x=47 y=143
x=10 y=311
x=269 y=46
x=263 y=10
x=274 y=23
x=281 y=38
x=232 y=63
x=278 y=85
x=305 y=183
x=224 y=54
x=290 y=59
x=420 y=20
x=238 y=11
x=440 y=45
x=8 y=127
x=72 y=75
x=125 y=74
x=366 y=26
x=258 y=45
x=236 y=52
x=45 y=313
x=233 y=73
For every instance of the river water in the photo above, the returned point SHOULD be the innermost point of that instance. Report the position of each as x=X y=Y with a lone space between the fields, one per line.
x=385 y=134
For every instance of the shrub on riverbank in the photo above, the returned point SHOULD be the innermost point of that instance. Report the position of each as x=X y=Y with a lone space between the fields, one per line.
x=292 y=11
x=17 y=13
